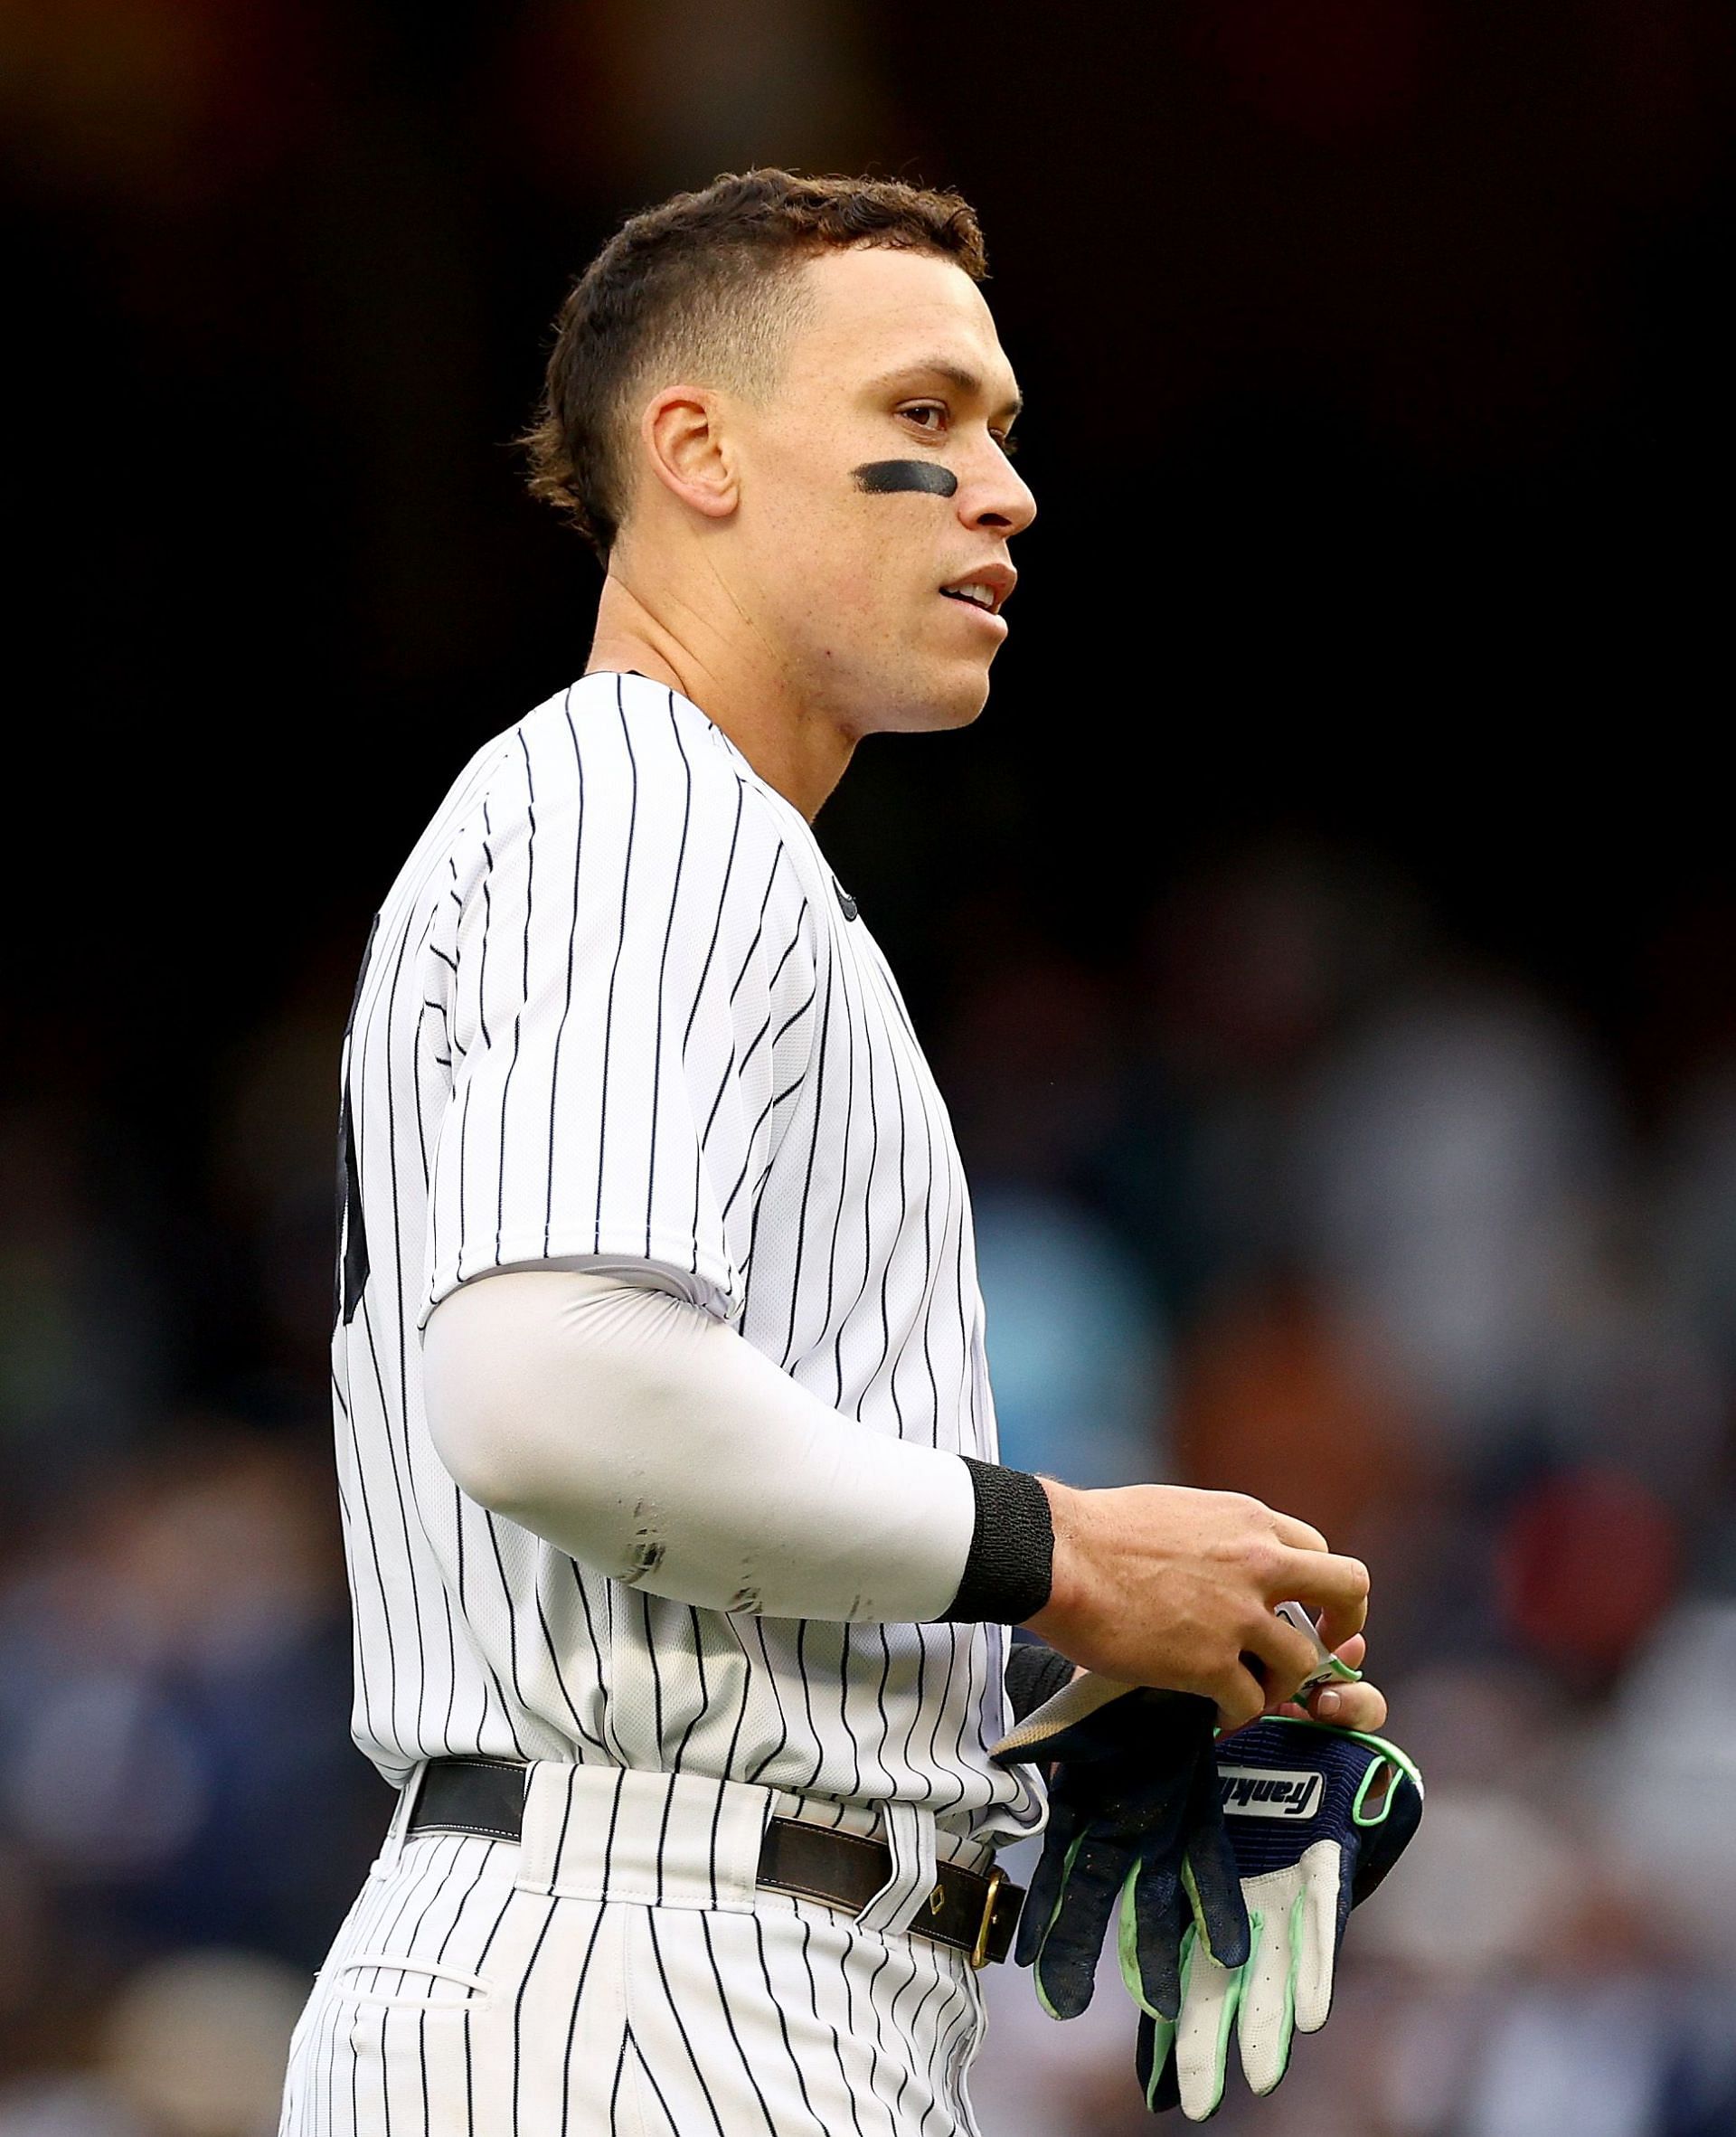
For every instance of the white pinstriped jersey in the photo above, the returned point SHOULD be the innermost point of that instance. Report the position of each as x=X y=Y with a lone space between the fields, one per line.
x=616 y=1006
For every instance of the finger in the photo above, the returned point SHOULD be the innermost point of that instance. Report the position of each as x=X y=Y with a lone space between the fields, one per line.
x=1210 y=1993
x=1335 y=1588
x=1157 y=2065
x=1239 y=1698
x=1350 y=1707
x=1066 y=1965
x=1285 y=1657
x=1214 y=1891
x=1060 y=1842
x=1266 y=2017
x=1301 y=1535
x=1316 y=1931
x=1354 y=1653
x=1153 y=1923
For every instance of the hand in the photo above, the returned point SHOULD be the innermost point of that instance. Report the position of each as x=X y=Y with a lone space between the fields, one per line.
x=1161 y=1584
x=1316 y=1817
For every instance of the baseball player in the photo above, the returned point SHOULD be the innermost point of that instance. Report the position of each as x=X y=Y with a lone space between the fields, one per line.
x=681 y=1562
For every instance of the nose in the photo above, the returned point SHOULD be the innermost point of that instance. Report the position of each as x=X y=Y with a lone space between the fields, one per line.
x=995 y=496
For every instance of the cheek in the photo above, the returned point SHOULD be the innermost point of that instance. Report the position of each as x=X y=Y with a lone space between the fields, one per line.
x=839 y=566
x=853 y=572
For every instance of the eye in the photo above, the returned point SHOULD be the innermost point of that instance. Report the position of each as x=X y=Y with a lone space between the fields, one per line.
x=927 y=415
x=1008 y=444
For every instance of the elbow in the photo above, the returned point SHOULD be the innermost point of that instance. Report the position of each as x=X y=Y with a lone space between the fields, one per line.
x=519 y=1416
x=542 y=1421
x=474 y=1452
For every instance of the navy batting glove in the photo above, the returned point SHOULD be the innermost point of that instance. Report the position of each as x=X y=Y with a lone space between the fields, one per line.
x=1135 y=1827
x=1316 y=1817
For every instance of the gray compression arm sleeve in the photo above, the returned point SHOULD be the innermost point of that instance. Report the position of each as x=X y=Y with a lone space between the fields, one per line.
x=646 y=1438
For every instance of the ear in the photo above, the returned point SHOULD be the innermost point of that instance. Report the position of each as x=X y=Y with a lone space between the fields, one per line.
x=682 y=431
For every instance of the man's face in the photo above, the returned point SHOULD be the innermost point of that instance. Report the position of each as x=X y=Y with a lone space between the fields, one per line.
x=850 y=573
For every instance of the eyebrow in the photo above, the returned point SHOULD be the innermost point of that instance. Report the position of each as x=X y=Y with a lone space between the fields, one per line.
x=955 y=375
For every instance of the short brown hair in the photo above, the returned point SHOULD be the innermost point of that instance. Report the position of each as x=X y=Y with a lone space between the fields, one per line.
x=684 y=284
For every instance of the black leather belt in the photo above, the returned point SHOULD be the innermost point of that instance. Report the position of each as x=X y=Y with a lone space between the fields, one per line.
x=968 y=1912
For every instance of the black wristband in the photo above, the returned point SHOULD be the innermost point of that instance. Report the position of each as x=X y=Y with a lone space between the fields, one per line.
x=1034 y=1673
x=1011 y=1566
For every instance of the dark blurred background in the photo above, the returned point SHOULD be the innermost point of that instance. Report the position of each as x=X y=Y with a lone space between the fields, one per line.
x=1324 y=939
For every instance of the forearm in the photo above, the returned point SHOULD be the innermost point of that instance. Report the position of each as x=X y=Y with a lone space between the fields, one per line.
x=646 y=1438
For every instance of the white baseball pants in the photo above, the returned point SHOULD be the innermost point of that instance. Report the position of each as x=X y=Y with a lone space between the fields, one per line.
x=617 y=1971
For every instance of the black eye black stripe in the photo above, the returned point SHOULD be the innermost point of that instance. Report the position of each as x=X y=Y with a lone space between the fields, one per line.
x=883 y=479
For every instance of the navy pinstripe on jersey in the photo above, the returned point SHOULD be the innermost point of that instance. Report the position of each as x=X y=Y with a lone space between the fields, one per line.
x=616 y=1006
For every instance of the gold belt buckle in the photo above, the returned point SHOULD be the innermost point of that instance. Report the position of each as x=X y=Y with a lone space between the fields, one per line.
x=979 y=1950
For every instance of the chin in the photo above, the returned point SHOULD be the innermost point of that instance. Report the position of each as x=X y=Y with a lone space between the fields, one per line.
x=935 y=704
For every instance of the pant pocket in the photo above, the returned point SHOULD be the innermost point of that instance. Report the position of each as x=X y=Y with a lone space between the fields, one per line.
x=401 y=2055
x=397 y=1980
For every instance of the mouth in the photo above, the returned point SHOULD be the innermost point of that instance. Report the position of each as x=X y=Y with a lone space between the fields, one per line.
x=984 y=590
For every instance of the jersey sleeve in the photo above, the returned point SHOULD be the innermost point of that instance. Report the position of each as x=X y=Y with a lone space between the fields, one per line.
x=631 y=962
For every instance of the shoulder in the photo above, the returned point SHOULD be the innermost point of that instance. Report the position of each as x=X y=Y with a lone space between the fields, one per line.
x=602 y=753
x=672 y=769
x=637 y=781
x=630 y=770
x=632 y=748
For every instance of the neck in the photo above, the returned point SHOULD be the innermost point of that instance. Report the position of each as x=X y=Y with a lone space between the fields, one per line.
x=735 y=680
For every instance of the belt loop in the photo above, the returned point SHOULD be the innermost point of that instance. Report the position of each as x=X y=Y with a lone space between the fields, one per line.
x=551 y=1786
x=910 y=1835
x=658 y=1840
x=392 y=1846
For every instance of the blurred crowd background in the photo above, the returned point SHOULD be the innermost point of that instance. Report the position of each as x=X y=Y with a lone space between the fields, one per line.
x=1326 y=940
